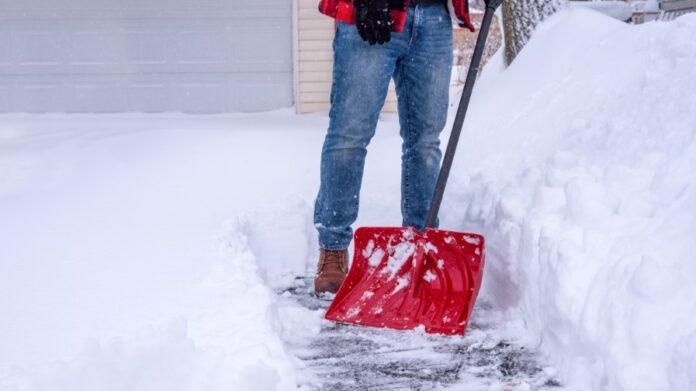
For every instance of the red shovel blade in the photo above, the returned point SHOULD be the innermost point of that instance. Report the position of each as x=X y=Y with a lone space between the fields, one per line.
x=401 y=279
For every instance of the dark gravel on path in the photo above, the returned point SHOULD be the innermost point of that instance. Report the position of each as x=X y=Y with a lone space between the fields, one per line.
x=344 y=357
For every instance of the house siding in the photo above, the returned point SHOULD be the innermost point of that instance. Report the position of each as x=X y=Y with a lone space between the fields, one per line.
x=315 y=33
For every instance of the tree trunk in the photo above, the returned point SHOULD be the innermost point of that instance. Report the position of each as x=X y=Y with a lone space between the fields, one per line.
x=520 y=18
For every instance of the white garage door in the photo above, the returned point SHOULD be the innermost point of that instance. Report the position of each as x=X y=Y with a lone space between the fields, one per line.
x=145 y=55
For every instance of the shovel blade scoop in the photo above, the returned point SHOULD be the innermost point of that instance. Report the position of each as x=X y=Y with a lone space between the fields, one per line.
x=403 y=279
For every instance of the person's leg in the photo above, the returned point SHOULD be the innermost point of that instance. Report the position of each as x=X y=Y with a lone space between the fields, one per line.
x=422 y=82
x=360 y=81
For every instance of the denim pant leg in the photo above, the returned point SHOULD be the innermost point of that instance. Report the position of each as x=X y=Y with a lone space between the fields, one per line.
x=360 y=81
x=422 y=79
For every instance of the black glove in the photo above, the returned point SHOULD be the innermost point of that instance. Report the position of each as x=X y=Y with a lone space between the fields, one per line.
x=373 y=20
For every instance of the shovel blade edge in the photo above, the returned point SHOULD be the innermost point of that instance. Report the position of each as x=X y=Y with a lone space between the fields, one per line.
x=403 y=279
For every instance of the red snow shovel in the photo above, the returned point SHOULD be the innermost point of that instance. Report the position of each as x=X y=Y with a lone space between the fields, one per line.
x=401 y=278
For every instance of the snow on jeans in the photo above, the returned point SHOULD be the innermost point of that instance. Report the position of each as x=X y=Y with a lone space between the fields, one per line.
x=420 y=60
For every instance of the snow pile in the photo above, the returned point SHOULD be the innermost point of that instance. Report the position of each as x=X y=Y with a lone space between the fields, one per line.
x=577 y=164
x=617 y=9
x=234 y=343
x=115 y=275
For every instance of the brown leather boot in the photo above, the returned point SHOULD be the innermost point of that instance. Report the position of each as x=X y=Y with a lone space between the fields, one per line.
x=331 y=270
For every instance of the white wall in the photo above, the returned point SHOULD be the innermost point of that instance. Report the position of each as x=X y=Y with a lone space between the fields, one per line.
x=145 y=55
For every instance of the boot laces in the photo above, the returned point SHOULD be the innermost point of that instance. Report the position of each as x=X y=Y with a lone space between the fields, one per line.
x=333 y=257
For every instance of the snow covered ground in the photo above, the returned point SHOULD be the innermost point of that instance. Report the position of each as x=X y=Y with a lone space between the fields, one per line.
x=149 y=252
x=127 y=258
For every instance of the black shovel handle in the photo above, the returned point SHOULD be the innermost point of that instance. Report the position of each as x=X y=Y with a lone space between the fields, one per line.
x=491 y=6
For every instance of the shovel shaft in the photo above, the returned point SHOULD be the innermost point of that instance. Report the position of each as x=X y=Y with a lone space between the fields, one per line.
x=461 y=114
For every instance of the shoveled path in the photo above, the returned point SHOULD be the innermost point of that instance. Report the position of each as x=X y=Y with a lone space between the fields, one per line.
x=343 y=357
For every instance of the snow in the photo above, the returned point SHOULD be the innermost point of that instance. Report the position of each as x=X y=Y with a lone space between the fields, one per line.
x=429 y=276
x=369 y=249
x=137 y=252
x=582 y=182
x=398 y=255
x=617 y=9
x=376 y=258
x=150 y=252
x=402 y=282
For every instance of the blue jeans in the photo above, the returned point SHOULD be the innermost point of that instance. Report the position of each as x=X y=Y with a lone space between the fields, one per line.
x=420 y=61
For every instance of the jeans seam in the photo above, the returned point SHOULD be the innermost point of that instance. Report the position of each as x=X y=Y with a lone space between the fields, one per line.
x=409 y=141
x=416 y=12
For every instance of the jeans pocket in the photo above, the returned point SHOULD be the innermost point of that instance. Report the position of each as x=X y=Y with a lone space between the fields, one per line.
x=344 y=29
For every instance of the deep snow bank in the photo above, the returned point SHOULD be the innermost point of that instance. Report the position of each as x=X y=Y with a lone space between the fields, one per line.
x=114 y=272
x=578 y=165
x=232 y=343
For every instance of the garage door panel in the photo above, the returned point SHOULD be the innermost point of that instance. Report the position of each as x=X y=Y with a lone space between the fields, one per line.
x=95 y=47
x=194 y=47
x=148 y=96
x=6 y=100
x=192 y=93
x=39 y=94
x=37 y=48
x=265 y=91
x=139 y=43
x=60 y=9
x=200 y=95
x=276 y=49
x=95 y=94
x=73 y=46
x=191 y=56
x=5 y=51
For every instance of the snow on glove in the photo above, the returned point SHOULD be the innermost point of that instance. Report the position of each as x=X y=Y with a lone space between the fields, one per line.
x=373 y=20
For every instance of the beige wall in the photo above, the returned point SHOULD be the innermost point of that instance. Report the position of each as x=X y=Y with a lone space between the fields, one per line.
x=314 y=60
